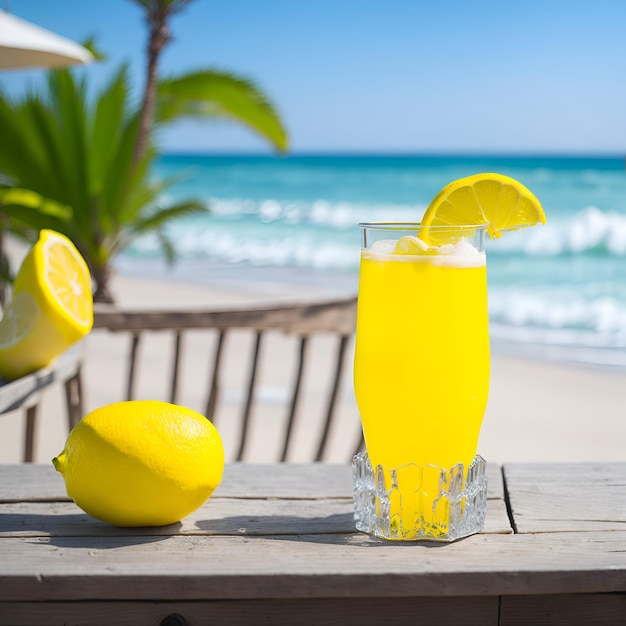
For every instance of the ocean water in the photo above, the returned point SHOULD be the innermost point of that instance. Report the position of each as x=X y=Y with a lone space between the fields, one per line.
x=556 y=291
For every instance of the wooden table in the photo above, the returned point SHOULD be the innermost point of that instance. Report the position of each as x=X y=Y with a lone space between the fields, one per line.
x=276 y=545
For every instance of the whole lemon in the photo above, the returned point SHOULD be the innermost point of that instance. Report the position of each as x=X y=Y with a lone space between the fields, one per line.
x=141 y=462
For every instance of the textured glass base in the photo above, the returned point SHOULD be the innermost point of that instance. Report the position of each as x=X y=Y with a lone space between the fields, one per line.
x=419 y=502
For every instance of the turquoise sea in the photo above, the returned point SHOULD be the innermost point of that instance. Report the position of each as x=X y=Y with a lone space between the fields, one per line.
x=556 y=291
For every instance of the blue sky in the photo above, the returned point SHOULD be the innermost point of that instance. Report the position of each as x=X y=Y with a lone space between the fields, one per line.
x=532 y=76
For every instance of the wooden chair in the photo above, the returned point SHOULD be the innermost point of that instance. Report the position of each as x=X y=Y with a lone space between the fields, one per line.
x=26 y=393
x=303 y=321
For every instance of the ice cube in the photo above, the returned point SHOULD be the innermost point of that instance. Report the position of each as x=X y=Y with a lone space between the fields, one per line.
x=463 y=248
x=447 y=248
x=383 y=246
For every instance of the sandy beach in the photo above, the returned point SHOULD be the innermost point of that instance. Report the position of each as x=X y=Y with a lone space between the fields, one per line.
x=537 y=411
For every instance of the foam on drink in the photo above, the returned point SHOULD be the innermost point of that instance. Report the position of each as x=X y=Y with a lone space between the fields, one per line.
x=411 y=249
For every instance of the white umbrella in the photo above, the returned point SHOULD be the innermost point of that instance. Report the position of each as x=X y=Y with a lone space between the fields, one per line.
x=24 y=45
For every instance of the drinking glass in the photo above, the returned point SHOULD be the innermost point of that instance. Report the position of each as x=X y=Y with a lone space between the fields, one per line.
x=421 y=375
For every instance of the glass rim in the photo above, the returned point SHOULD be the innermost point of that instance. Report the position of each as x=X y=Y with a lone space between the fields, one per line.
x=391 y=226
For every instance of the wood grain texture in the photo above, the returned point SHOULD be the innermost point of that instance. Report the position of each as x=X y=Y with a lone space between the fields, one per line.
x=558 y=497
x=482 y=611
x=219 y=516
x=31 y=483
x=306 y=566
x=40 y=482
x=276 y=544
x=605 y=609
x=25 y=390
x=331 y=316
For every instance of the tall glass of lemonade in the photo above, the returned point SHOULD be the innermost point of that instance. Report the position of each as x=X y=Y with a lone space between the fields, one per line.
x=421 y=375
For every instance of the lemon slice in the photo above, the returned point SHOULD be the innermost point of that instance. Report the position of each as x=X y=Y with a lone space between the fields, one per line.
x=499 y=202
x=52 y=306
x=56 y=274
x=67 y=277
x=411 y=245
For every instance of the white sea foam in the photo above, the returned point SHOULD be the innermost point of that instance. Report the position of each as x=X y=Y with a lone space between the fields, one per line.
x=335 y=215
x=239 y=231
x=589 y=231
x=604 y=317
x=557 y=285
x=218 y=245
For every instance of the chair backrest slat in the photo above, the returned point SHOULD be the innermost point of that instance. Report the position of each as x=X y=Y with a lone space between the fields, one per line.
x=295 y=393
x=360 y=445
x=332 y=398
x=245 y=418
x=29 y=439
x=74 y=398
x=335 y=317
x=215 y=378
x=132 y=365
x=175 y=367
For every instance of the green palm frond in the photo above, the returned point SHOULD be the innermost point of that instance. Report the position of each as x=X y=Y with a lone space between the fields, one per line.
x=30 y=218
x=154 y=222
x=44 y=145
x=71 y=160
x=92 y=46
x=150 y=193
x=25 y=211
x=167 y=247
x=30 y=199
x=107 y=131
x=217 y=94
x=162 y=216
x=23 y=150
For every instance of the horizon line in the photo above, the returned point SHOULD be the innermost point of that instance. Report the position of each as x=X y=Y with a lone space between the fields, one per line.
x=389 y=153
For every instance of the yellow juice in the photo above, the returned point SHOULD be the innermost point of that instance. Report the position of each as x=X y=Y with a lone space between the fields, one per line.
x=421 y=366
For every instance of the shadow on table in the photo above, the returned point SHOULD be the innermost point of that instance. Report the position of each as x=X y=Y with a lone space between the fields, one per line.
x=77 y=530
x=335 y=529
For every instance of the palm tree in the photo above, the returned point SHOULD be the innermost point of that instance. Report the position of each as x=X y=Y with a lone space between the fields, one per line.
x=158 y=13
x=83 y=167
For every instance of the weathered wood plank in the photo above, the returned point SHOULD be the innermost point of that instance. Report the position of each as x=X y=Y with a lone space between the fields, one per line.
x=37 y=482
x=598 y=609
x=481 y=611
x=40 y=482
x=218 y=516
x=559 y=497
x=318 y=480
x=333 y=316
x=307 y=566
x=25 y=390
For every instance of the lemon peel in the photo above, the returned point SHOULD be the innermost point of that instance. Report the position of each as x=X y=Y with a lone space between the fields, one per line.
x=498 y=202
x=51 y=309
x=141 y=462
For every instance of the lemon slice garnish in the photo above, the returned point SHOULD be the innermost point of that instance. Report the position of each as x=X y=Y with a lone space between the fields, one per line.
x=499 y=202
